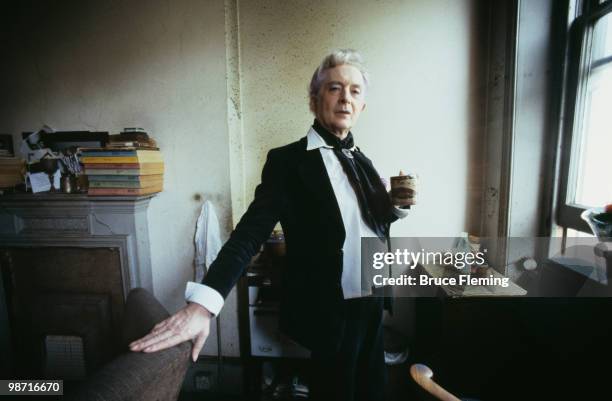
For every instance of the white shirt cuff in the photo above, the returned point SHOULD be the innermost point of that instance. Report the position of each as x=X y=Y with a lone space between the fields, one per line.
x=204 y=295
x=400 y=213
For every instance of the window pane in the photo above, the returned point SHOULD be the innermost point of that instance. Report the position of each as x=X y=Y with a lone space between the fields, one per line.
x=594 y=175
x=602 y=38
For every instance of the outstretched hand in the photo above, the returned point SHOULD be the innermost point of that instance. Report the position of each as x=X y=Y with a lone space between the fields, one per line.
x=190 y=323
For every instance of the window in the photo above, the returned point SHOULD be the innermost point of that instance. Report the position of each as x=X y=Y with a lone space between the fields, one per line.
x=586 y=172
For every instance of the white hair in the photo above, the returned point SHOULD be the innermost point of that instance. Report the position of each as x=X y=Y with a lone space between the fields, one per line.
x=334 y=59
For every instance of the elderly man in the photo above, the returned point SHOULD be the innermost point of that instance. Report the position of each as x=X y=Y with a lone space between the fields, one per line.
x=326 y=195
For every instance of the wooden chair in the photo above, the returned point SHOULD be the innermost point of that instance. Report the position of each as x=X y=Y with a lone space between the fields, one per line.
x=422 y=375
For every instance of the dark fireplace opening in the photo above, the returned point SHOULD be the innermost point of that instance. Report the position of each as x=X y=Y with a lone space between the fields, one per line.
x=63 y=306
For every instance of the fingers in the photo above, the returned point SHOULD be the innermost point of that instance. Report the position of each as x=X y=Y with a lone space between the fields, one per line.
x=191 y=322
x=402 y=172
x=142 y=342
x=154 y=338
x=197 y=346
x=165 y=329
x=159 y=328
x=164 y=343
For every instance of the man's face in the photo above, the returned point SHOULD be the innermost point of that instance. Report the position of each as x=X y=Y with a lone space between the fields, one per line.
x=341 y=99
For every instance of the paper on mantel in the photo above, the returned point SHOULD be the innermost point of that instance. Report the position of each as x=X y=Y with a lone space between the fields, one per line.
x=207 y=239
x=30 y=149
x=56 y=179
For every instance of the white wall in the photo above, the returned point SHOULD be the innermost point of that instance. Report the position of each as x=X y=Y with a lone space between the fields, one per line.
x=425 y=107
x=102 y=65
x=424 y=110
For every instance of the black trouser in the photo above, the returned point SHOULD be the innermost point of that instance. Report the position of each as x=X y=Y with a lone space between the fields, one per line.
x=356 y=371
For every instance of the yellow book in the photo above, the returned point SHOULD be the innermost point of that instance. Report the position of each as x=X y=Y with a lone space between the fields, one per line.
x=122 y=159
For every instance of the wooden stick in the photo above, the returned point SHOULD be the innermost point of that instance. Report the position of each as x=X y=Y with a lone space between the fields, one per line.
x=422 y=375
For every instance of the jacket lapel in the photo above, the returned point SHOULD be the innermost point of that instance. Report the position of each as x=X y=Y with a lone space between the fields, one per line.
x=314 y=175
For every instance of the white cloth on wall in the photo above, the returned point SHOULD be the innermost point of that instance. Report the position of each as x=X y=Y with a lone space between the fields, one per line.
x=207 y=239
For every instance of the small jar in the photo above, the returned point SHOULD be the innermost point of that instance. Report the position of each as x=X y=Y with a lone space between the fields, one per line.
x=68 y=184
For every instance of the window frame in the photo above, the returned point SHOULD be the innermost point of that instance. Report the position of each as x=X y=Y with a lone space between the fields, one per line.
x=578 y=66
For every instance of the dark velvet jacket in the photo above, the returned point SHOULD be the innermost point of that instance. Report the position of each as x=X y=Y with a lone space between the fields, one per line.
x=295 y=189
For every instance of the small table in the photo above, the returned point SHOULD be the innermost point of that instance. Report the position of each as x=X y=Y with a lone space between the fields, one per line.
x=260 y=339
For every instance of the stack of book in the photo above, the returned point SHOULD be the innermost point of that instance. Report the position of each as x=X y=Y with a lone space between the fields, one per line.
x=132 y=137
x=11 y=171
x=123 y=170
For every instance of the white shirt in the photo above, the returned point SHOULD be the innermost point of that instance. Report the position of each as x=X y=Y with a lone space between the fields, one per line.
x=354 y=227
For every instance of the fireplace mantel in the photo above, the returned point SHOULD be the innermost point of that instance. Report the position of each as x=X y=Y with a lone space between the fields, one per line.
x=86 y=254
x=56 y=219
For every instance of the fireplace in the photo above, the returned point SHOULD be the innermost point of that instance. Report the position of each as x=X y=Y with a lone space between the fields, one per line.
x=67 y=263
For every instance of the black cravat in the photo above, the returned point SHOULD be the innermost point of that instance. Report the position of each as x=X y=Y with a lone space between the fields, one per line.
x=372 y=196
